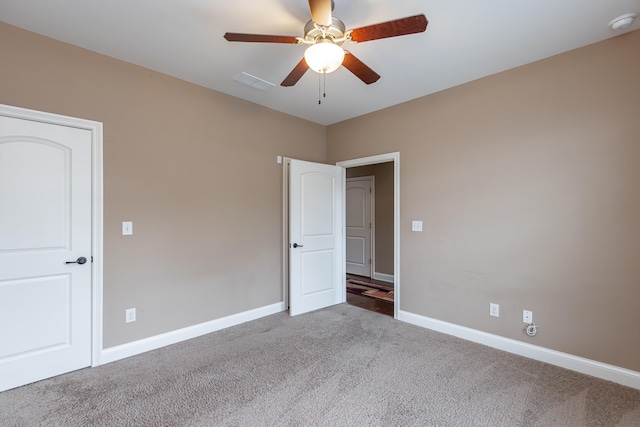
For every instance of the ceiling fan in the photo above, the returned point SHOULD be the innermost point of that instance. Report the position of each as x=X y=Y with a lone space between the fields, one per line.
x=325 y=34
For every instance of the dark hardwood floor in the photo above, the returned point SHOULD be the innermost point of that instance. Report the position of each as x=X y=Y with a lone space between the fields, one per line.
x=382 y=307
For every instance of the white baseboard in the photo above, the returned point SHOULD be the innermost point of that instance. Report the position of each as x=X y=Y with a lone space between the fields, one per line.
x=384 y=277
x=147 y=344
x=613 y=373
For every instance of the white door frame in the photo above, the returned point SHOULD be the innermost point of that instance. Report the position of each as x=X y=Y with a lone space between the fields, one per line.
x=372 y=160
x=96 y=209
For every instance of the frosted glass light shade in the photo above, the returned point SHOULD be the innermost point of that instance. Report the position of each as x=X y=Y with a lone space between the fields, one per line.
x=324 y=57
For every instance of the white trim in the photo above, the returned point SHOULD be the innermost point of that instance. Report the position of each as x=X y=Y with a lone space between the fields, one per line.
x=97 y=248
x=152 y=343
x=383 y=158
x=344 y=235
x=96 y=208
x=384 y=277
x=286 y=164
x=372 y=240
x=594 y=368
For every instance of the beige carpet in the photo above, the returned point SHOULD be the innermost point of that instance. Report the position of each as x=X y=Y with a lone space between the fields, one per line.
x=342 y=366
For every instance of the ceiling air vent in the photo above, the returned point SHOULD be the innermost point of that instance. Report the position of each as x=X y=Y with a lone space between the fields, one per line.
x=253 y=81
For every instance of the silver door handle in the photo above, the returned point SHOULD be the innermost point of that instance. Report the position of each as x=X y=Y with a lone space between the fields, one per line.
x=80 y=260
x=295 y=245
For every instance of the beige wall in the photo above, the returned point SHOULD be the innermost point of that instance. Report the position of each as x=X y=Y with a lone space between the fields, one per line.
x=528 y=183
x=383 y=212
x=194 y=169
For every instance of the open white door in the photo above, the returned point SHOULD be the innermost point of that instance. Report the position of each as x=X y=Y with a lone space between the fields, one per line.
x=316 y=230
x=45 y=250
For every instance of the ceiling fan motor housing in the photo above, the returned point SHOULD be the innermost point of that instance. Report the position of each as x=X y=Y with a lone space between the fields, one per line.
x=313 y=32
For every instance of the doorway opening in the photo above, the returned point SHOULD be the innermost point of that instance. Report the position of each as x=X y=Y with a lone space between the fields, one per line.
x=313 y=195
x=372 y=247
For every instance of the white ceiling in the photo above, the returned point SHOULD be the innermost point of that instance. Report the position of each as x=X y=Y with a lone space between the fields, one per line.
x=465 y=40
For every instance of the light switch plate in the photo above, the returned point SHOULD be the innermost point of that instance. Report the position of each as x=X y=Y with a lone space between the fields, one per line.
x=127 y=228
x=494 y=310
x=416 y=225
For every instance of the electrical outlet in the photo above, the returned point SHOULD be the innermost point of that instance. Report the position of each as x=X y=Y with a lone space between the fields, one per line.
x=527 y=316
x=130 y=315
x=494 y=310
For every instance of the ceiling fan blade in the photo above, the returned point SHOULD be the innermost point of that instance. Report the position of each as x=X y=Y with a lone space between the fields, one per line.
x=295 y=74
x=359 y=68
x=260 y=38
x=398 y=27
x=321 y=12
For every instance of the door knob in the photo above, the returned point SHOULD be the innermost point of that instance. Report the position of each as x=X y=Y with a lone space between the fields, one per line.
x=295 y=245
x=80 y=260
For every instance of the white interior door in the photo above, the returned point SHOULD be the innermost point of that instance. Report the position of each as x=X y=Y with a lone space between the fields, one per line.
x=45 y=222
x=316 y=272
x=358 y=226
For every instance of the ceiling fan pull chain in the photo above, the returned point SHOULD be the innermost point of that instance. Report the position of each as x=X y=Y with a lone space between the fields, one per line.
x=324 y=85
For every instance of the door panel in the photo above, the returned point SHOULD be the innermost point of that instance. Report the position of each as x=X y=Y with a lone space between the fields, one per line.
x=39 y=201
x=356 y=254
x=315 y=227
x=45 y=221
x=43 y=301
x=317 y=199
x=358 y=226
x=317 y=271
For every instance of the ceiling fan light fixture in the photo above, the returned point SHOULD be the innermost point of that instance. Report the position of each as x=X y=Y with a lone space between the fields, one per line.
x=324 y=56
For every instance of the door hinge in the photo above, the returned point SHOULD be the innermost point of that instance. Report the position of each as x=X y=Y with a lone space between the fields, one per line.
x=369 y=261
x=370 y=226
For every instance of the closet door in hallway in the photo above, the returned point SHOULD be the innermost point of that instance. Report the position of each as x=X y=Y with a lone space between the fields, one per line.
x=359 y=225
